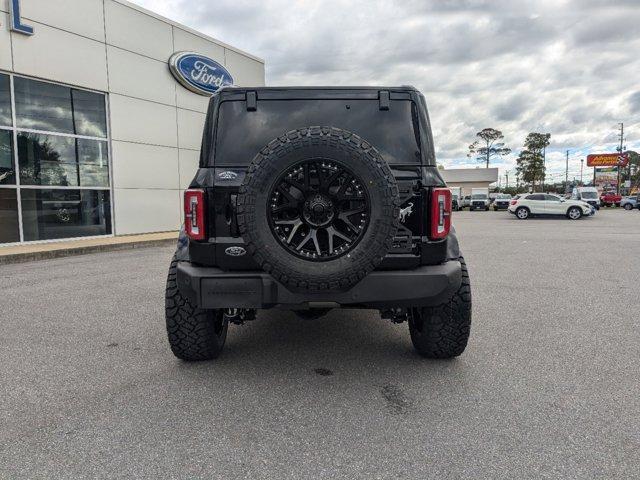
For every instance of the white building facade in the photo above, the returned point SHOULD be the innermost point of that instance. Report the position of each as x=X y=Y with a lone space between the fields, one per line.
x=468 y=178
x=97 y=135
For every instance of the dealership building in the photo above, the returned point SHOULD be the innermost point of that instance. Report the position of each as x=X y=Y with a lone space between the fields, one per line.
x=102 y=106
x=468 y=178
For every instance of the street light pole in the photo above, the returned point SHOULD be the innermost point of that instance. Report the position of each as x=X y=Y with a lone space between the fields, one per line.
x=581 y=166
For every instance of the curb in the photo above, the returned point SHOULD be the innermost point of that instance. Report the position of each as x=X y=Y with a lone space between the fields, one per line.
x=84 y=250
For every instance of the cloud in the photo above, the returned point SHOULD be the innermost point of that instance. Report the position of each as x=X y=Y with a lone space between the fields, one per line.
x=634 y=102
x=567 y=67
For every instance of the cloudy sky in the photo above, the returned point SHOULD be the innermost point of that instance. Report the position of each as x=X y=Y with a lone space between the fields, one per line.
x=567 y=67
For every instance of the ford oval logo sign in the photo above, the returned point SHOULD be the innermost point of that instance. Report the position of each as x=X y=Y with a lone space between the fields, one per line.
x=198 y=73
x=227 y=175
x=235 y=251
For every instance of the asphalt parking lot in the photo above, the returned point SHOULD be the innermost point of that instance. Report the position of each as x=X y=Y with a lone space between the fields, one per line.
x=549 y=386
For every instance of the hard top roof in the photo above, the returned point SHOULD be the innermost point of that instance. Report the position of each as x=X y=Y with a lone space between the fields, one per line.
x=401 y=88
x=318 y=92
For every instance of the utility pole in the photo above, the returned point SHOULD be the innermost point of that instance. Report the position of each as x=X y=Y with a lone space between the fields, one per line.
x=566 y=172
x=581 y=166
x=507 y=178
x=620 y=149
x=544 y=165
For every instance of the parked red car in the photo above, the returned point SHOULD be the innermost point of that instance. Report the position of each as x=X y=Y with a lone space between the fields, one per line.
x=608 y=199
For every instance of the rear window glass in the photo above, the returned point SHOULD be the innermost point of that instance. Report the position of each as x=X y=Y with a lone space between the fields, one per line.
x=241 y=134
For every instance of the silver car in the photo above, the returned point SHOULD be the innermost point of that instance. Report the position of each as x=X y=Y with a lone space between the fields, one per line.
x=629 y=203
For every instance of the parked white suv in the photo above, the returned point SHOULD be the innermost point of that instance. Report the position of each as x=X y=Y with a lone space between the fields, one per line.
x=545 y=204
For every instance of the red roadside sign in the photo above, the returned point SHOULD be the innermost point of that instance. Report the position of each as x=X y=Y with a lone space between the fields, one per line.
x=608 y=160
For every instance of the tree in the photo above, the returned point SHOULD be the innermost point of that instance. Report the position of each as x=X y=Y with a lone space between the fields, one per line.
x=488 y=146
x=633 y=168
x=530 y=162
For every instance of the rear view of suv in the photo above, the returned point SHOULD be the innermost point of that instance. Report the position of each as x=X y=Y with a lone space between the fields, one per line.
x=311 y=199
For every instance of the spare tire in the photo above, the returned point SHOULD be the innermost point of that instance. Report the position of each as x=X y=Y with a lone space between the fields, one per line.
x=318 y=209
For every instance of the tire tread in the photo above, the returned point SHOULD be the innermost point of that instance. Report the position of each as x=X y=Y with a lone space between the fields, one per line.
x=263 y=168
x=191 y=330
x=445 y=327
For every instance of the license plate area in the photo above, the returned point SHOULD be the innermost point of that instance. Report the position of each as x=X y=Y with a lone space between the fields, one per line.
x=231 y=292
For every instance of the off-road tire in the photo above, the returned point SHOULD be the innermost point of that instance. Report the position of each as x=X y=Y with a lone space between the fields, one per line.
x=194 y=334
x=443 y=331
x=338 y=146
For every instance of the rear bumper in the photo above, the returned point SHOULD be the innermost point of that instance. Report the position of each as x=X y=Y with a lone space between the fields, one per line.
x=209 y=287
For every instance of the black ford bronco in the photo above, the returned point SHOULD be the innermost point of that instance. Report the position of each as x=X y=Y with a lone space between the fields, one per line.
x=311 y=199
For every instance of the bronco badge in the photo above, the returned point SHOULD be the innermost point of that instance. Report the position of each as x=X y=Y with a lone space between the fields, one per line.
x=405 y=212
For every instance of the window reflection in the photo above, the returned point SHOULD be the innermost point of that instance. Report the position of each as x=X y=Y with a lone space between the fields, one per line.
x=5 y=101
x=7 y=172
x=393 y=132
x=9 y=231
x=54 y=108
x=93 y=162
x=49 y=118
x=50 y=214
x=47 y=160
x=89 y=114
x=62 y=161
x=43 y=106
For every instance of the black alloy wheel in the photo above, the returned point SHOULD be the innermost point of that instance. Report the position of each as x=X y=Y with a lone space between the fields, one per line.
x=318 y=209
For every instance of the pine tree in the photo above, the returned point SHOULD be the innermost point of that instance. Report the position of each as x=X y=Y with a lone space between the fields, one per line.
x=530 y=163
x=488 y=146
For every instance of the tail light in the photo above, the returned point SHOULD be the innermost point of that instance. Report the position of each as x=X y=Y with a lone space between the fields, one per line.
x=440 y=213
x=513 y=202
x=194 y=214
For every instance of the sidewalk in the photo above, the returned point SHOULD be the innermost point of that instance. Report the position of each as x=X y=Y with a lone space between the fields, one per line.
x=41 y=251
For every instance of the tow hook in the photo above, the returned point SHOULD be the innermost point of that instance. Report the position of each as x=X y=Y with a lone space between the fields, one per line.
x=396 y=315
x=238 y=316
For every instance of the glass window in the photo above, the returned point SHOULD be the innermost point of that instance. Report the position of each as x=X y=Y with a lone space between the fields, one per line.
x=552 y=198
x=47 y=160
x=9 y=230
x=50 y=214
x=62 y=161
x=242 y=134
x=7 y=172
x=43 y=106
x=93 y=162
x=89 y=114
x=5 y=101
x=52 y=162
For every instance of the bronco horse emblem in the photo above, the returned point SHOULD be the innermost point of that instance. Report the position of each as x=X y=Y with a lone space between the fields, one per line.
x=405 y=212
